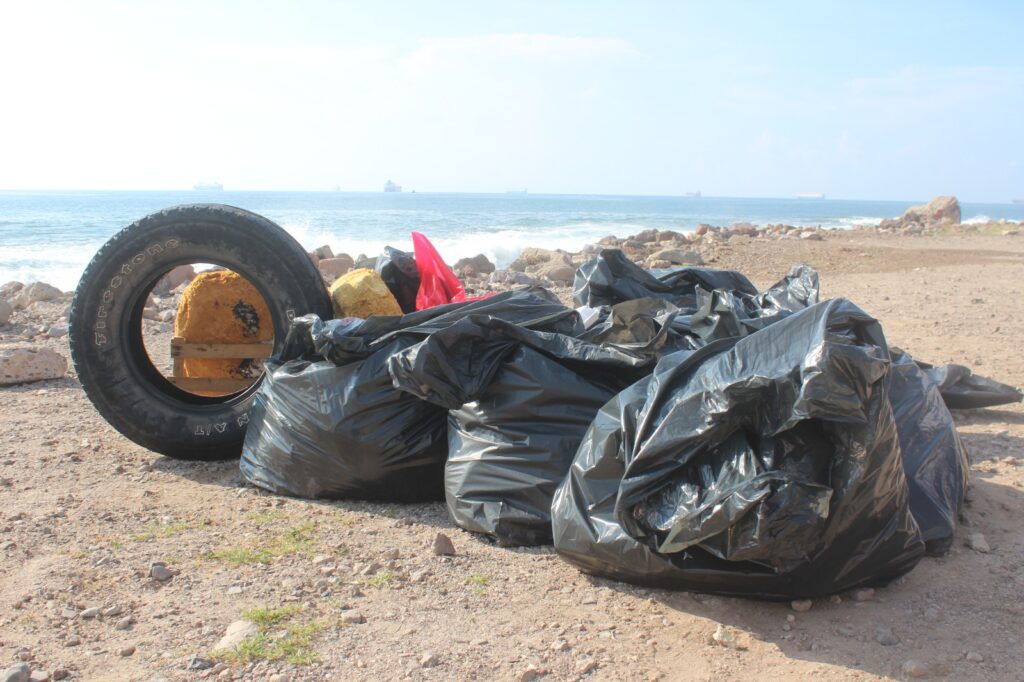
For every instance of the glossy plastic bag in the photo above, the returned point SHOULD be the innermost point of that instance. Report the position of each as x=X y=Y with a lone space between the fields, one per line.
x=438 y=284
x=327 y=421
x=767 y=465
x=399 y=272
x=934 y=458
x=612 y=278
x=963 y=390
x=520 y=403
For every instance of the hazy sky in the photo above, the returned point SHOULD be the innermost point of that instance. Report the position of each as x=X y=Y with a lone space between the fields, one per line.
x=893 y=100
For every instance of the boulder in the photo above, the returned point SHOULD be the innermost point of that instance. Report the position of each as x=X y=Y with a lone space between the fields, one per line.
x=811 y=236
x=556 y=271
x=531 y=257
x=941 y=209
x=480 y=263
x=333 y=268
x=174 y=279
x=34 y=292
x=646 y=236
x=10 y=289
x=702 y=229
x=611 y=240
x=25 y=365
x=510 y=277
x=322 y=252
x=677 y=257
x=5 y=312
x=669 y=235
x=362 y=293
x=745 y=229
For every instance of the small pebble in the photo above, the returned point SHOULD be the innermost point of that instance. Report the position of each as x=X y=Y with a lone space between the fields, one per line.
x=863 y=594
x=124 y=624
x=72 y=640
x=428 y=660
x=442 y=545
x=915 y=668
x=886 y=637
x=801 y=605
x=91 y=612
x=974 y=657
x=126 y=651
x=978 y=543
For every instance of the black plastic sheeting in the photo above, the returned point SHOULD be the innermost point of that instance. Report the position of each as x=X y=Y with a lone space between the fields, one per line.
x=328 y=423
x=399 y=272
x=612 y=278
x=520 y=401
x=934 y=458
x=963 y=390
x=767 y=465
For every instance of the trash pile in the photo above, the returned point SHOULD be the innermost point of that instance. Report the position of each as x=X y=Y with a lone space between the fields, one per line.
x=678 y=428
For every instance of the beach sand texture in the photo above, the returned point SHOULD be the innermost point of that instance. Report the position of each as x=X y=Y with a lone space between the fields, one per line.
x=84 y=513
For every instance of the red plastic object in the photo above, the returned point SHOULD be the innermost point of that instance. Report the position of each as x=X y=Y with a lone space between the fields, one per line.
x=438 y=284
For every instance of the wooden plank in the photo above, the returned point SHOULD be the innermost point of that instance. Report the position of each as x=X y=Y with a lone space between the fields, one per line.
x=211 y=384
x=240 y=351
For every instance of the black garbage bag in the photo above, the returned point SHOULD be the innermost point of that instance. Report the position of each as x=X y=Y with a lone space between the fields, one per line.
x=328 y=423
x=934 y=458
x=398 y=270
x=612 y=278
x=520 y=403
x=961 y=389
x=723 y=313
x=764 y=466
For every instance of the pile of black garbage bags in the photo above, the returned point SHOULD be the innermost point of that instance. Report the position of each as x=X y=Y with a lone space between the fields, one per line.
x=678 y=429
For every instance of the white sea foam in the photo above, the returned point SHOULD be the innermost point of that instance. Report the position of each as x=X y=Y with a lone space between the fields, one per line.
x=976 y=220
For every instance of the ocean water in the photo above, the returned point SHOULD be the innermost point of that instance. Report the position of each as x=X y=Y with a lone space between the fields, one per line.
x=51 y=236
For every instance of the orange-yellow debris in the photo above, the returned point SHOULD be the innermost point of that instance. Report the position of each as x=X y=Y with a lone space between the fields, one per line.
x=362 y=293
x=222 y=307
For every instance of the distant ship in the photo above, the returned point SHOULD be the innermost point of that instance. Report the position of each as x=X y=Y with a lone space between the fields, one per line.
x=810 y=195
x=693 y=195
x=392 y=187
x=208 y=186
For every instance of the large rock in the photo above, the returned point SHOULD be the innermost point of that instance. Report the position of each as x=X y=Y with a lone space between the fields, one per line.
x=34 y=292
x=531 y=258
x=480 y=263
x=556 y=271
x=678 y=257
x=646 y=236
x=322 y=252
x=362 y=293
x=10 y=289
x=24 y=365
x=174 y=279
x=942 y=209
x=5 y=312
x=333 y=268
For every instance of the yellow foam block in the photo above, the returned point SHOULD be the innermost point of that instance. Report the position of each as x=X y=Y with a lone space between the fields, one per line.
x=222 y=307
x=362 y=293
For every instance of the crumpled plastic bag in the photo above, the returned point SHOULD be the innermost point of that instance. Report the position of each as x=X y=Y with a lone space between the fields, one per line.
x=767 y=465
x=328 y=423
x=520 y=403
x=934 y=458
x=612 y=278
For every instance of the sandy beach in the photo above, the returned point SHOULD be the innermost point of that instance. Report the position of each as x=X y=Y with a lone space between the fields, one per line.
x=353 y=590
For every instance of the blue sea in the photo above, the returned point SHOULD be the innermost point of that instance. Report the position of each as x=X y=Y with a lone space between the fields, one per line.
x=50 y=236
